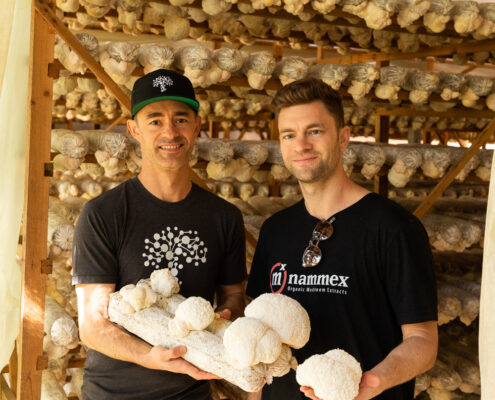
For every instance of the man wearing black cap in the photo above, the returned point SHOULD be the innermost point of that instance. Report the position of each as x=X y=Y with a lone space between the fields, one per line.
x=159 y=219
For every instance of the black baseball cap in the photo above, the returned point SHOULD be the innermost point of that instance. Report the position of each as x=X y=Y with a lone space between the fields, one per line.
x=162 y=84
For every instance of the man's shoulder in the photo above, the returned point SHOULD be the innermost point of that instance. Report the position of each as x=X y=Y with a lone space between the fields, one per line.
x=387 y=212
x=215 y=203
x=110 y=199
x=282 y=218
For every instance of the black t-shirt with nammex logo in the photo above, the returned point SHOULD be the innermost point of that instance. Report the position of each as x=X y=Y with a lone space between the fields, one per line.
x=124 y=235
x=376 y=273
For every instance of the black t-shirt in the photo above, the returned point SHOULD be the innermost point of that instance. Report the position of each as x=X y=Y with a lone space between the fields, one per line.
x=376 y=274
x=124 y=235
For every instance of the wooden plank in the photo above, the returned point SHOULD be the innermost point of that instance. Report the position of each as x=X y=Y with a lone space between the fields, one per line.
x=5 y=391
x=453 y=171
x=452 y=113
x=459 y=48
x=382 y=125
x=43 y=7
x=117 y=121
x=13 y=366
x=30 y=339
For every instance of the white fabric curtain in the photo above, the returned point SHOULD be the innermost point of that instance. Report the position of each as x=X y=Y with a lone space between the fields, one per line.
x=15 y=19
x=487 y=306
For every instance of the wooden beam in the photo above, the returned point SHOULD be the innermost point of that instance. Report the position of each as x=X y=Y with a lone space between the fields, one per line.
x=30 y=339
x=13 y=367
x=470 y=68
x=43 y=7
x=459 y=48
x=453 y=171
x=116 y=122
x=452 y=113
x=6 y=392
x=382 y=126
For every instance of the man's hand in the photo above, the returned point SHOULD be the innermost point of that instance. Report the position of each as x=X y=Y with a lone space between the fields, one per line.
x=170 y=360
x=368 y=388
x=225 y=313
x=308 y=392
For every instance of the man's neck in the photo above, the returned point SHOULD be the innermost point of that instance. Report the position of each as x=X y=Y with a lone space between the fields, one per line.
x=170 y=186
x=326 y=198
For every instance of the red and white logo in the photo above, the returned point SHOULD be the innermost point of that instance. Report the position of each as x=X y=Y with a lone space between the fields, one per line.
x=278 y=277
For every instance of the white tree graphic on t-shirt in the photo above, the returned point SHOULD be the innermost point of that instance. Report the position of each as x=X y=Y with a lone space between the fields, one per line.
x=173 y=248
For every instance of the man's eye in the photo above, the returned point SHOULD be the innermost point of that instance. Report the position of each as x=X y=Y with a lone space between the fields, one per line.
x=315 y=131
x=181 y=120
x=154 y=122
x=288 y=136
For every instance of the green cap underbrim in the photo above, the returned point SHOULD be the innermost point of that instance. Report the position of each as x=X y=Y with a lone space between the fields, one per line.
x=192 y=103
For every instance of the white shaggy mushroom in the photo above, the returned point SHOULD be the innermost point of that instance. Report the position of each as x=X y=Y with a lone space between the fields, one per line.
x=163 y=282
x=392 y=78
x=372 y=159
x=383 y=40
x=466 y=16
x=360 y=79
x=97 y=9
x=248 y=341
x=406 y=161
x=450 y=85
x=194 y=313
x=331 y=74
x=194 y=61
x=258 y=68
x=324 y=6
x=290 y=69
x=215 y=7
x=138 y=296
x=334 y=375
x=475 y=87
x=438 y=15
x=153 y=57
x=420 y=85
x=69 y=59
x=487 y=27
x=411 y=10
x=229 y=60
x=119 y=59
x=435 y=162
x=284 y=315
x=68 y=6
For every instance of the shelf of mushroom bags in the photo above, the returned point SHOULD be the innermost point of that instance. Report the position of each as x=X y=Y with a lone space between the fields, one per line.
x=382 y=25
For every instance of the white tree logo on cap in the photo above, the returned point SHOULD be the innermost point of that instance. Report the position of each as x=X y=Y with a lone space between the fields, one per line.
x=163 y=82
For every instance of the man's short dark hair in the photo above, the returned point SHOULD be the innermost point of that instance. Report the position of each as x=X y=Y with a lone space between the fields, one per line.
x=308 y=90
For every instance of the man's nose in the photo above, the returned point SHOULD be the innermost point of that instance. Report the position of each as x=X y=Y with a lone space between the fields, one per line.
x=301 y=143
x=169 y=130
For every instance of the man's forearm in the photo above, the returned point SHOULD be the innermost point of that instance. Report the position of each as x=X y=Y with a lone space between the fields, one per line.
x=113 y=341
x=415 y=355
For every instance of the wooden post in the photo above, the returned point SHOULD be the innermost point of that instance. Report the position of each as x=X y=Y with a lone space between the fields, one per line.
x=382 y=125
x=30 y=339
x=452 y=173
x=13 y=366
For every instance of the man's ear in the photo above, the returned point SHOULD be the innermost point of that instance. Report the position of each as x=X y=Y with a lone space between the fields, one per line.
x=344 y=137
x=133 y=128
x=197 y=128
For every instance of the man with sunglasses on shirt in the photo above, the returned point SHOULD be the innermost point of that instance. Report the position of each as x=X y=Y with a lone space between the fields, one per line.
x=358 y=263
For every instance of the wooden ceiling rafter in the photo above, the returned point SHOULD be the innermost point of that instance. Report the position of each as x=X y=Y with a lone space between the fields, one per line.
x=449 y=177
x=445 y=50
